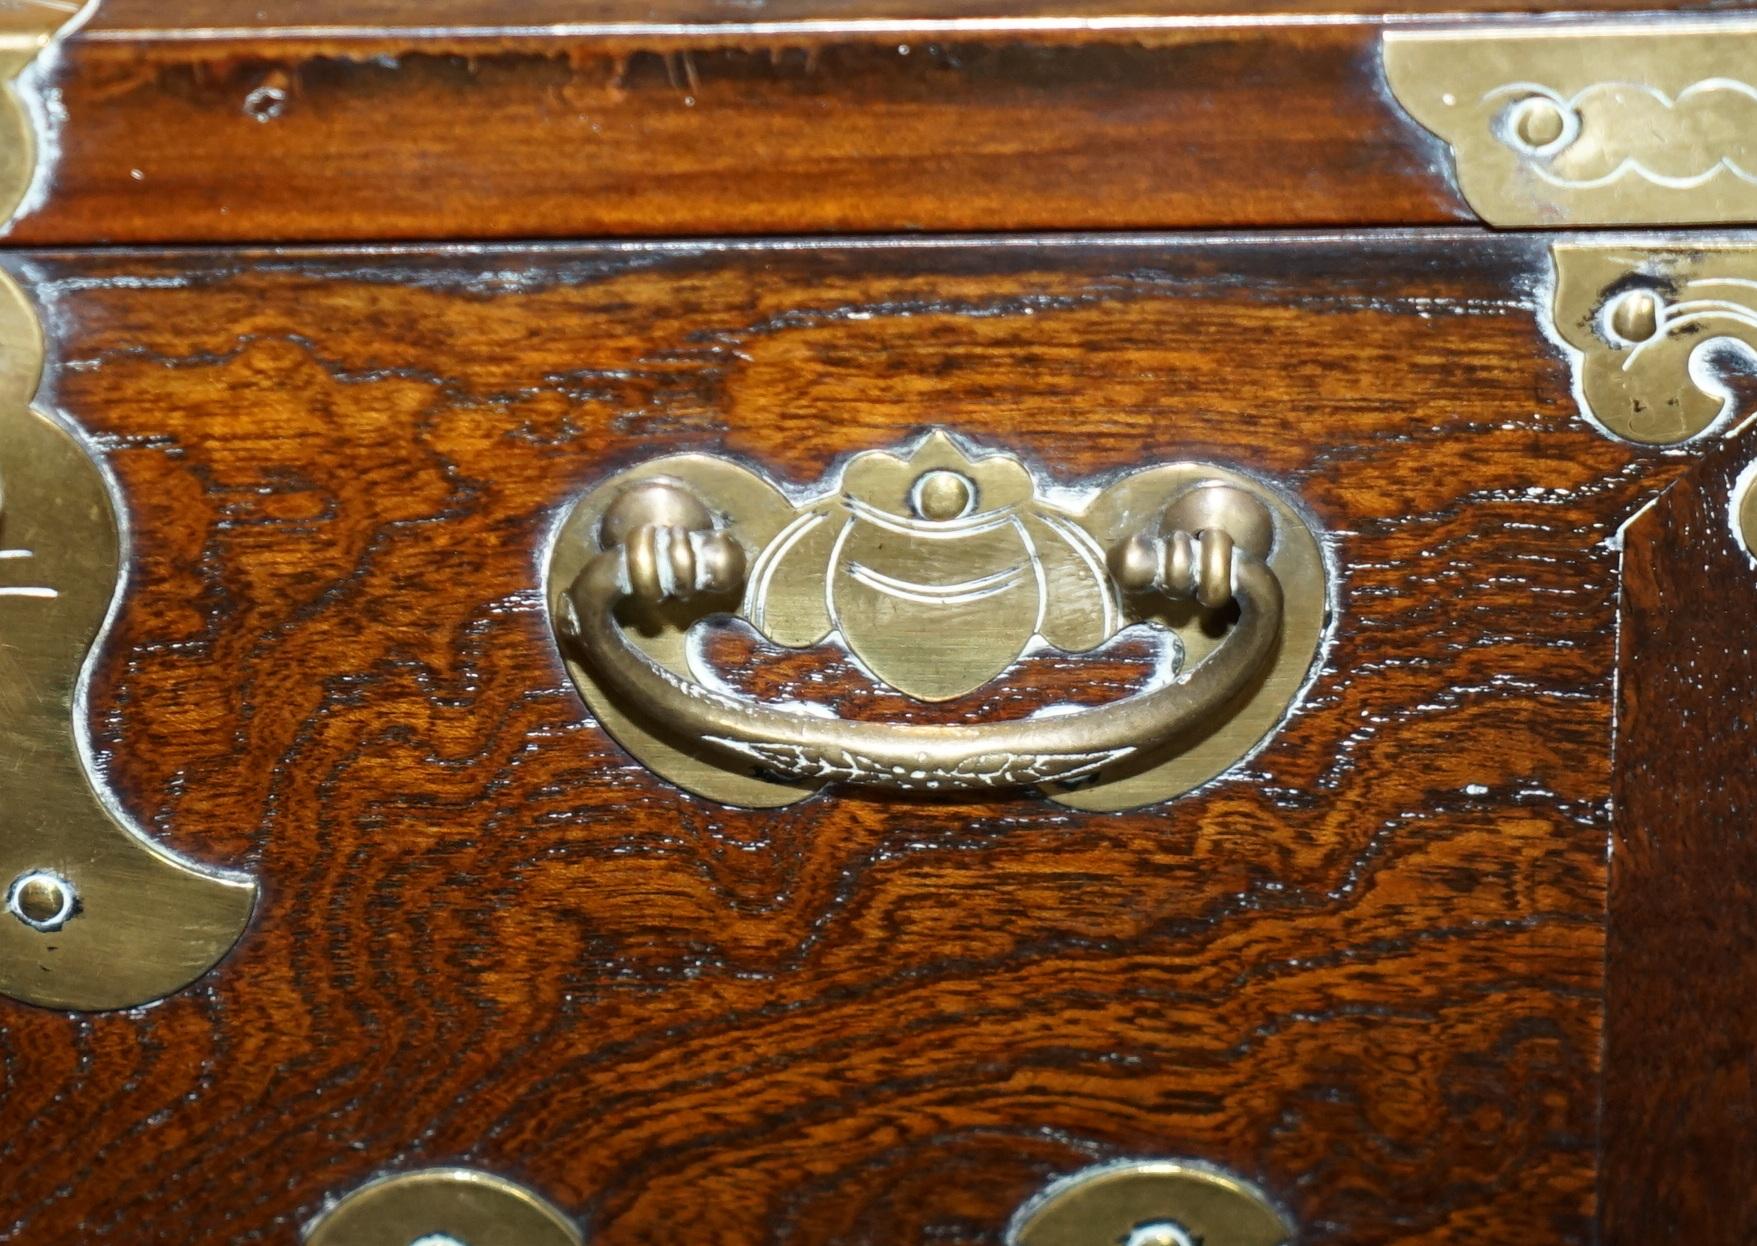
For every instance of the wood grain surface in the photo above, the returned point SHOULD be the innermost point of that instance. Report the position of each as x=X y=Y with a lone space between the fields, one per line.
x=1681 y=1020
x=697 y=130
x=1365 y=972
x=227 y=121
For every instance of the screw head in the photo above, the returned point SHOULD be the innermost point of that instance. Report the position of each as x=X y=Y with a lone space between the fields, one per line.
x=41 y=900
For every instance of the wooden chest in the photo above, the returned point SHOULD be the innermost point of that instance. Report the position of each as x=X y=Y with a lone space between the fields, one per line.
x=913 y=622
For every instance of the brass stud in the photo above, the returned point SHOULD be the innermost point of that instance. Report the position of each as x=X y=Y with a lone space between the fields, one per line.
x=942 y=495
x=1635 y=315
x=41 y=899
x=1538 y=121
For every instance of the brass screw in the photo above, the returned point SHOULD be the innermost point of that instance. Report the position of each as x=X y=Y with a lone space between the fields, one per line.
x=40 y=899
x=1538 y=122
x=1635 y=315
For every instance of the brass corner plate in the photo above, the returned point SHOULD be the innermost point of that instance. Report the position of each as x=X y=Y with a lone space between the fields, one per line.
x=27 y=27
x=1635 y=122
x=1150 y=1203
x=936 y=567
x=1639 y=321
x=96 y=916
x=443 y=1207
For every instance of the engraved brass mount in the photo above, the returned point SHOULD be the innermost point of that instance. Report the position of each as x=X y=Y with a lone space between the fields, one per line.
x=25 y=31
x=1640 y=321
x=1601 y=123
x=96 y=916
x=937 y=569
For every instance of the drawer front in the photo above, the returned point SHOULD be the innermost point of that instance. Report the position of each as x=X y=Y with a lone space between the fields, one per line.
x=1363 y=969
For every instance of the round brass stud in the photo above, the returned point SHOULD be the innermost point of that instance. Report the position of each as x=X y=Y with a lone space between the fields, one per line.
x=1635 y=316
x=942 y=495
x=41 y=899
x=443 y=1207
x=1150 y=1203
x=1538 y=121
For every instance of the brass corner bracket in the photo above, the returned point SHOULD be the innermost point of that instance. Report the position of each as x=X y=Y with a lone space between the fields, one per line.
x=936 y=569
x=1630 y=122
x=96 y=916
x=1639 y=321
x=26 y=29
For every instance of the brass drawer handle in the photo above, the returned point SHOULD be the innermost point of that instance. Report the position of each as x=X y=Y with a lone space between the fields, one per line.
x=660 y=544
x=937 y=569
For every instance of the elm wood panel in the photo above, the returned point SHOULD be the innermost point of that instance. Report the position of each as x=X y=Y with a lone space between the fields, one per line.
x=702 y=133
x=197 y=15
x=1680 y=1022
x=1365 y=970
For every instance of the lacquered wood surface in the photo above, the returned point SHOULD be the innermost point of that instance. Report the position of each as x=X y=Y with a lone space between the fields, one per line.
x=1681 y=1017
x=697 y=131
x=227 y=121
x=1365 y=971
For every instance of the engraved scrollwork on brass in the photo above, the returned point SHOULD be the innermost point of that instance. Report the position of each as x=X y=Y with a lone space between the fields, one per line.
x=96 y=915
x=938 y=569
x=1616 y=123
x=1641 y=322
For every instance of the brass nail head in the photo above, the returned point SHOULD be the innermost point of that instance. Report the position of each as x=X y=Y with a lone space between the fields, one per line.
x=42 y=899
x=941 y=495
x=1538 y=121
x=1635 y=315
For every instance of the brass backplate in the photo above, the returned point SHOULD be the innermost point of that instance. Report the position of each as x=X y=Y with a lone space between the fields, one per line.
x=443 y=1207
x=937 y=567
x=96 y=915
x=26 y=29
x=1637 y=122
x=1640 y=322
x=1150 y=1203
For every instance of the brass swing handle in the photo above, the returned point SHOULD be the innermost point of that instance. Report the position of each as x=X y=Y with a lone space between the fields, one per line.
x=670 y=550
